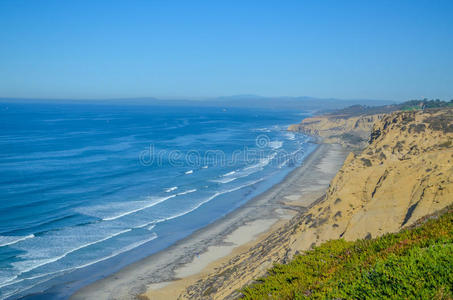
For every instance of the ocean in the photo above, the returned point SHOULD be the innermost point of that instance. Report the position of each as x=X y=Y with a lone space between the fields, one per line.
x=89 y=189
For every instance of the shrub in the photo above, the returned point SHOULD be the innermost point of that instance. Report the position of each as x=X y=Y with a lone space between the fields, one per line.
x=414 y=263
x=366 y=162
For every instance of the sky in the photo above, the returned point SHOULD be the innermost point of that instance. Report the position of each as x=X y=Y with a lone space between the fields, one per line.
x=390 y=50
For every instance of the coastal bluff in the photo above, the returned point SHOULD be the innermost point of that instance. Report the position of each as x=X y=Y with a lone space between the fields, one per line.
x=351 y=132
x=404 y=173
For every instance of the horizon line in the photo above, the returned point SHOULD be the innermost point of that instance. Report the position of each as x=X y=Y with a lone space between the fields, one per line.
x=189 y=98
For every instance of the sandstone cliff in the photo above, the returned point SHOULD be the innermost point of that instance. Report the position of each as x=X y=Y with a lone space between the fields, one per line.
x=350 y=131
x=405 y=173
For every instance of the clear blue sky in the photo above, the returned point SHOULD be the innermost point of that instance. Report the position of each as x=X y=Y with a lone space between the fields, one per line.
x=346 y=49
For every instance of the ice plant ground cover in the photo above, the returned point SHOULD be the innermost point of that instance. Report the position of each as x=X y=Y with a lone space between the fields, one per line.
x=414 y=263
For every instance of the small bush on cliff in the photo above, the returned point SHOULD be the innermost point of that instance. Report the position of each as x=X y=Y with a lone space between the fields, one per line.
x=446 y=144
x=415 y=263
x=366 y=162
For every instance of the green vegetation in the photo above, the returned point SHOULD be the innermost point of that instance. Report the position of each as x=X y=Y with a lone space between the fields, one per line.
x=360 y=110
x=415 y=263
x=442 y=122
x=366 y=162
x=423 y=104
x=446 y=144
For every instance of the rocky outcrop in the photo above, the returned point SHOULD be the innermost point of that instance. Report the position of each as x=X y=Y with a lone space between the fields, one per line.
x=353 y=131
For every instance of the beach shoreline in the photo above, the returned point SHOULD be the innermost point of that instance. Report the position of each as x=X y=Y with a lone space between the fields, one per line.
x=165 y=274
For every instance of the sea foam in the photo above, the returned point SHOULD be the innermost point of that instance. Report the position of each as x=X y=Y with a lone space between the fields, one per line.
x=171 y=189
x=11 y=240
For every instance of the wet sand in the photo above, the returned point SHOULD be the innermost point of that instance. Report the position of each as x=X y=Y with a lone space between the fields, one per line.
x=167 y=274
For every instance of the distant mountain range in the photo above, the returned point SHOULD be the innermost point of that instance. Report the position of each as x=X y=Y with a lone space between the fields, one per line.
x=246 y=101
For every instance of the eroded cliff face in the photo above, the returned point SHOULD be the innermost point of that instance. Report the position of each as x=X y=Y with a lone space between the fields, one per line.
x=405 y=173
x=350 y=131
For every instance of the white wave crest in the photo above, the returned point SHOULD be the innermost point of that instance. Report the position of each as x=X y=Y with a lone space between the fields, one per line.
x=229 y=174
x=290 y=136
x=262 y=130
x=54 y=259
x=125 y=249
x=186 y=192
x=276 y=144
x=224 y=180
x=207 y=200
x=157 y=201
x=263 y=162
x=11 y=240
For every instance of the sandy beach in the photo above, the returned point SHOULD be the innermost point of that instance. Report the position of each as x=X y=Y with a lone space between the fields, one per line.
x=185 y=267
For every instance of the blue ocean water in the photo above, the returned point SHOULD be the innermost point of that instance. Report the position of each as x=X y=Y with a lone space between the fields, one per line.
x=83 y=185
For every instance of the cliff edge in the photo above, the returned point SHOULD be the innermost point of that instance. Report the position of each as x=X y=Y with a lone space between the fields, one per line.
x=351 y=132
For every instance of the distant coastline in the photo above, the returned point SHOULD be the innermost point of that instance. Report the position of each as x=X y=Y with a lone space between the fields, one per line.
x=303 y=103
